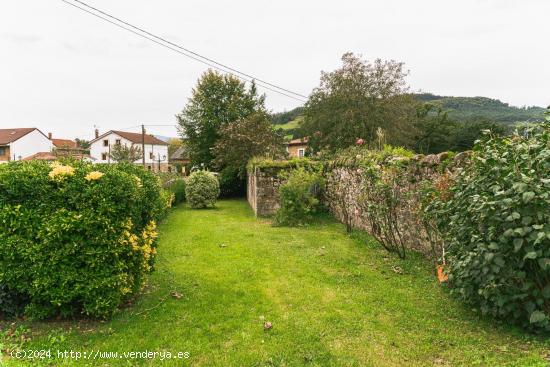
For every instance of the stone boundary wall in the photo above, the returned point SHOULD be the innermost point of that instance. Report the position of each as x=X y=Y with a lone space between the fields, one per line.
x=262 y=191
x=345 y=187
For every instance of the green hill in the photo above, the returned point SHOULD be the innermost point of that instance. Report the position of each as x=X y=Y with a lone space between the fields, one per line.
x=459 y=108
x=471 y=108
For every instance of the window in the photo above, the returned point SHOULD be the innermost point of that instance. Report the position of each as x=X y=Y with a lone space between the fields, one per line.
x=301 y=153
x=149 y=168
x=106 y=143
x=3 y=150
x=151 y=156
x=104 y=156
x=117 y=142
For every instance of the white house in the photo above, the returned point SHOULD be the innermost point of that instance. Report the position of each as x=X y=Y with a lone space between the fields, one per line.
x=20 y=143
x=156 y=150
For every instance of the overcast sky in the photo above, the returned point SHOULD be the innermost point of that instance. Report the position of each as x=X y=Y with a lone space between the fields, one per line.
x=64 y=71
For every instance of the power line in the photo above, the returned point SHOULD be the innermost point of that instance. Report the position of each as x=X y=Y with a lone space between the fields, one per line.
x=188 y=50
x=188 y=53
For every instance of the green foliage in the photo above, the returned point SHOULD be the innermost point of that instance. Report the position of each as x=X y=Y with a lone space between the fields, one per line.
x=231 y=184
x=482 y=108
x=76 y=238
x=217 y=100
x=124 y=153
x=299 y=197
x=202 y=189
x=268 y=164
x=496 y=225
x=241 y=140
x=177 y=187
x=356 y=101
x=281 y=118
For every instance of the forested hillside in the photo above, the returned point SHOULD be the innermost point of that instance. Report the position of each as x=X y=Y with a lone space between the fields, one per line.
x=469 y=108
x=460 y=109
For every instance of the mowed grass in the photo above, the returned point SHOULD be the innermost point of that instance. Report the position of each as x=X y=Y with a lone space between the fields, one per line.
x=333 y=300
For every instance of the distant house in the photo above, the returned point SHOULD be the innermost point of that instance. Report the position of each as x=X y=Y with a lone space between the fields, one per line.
x=156 y=150
x=296 y=148
x=67 y=148
x=180 y=159
x=20 y=143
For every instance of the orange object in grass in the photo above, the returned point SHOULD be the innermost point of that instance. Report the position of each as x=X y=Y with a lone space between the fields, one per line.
x=441 y=276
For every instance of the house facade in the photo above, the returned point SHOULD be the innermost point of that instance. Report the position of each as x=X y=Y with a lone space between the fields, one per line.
x=296 y=148
x=20 y=143
x=155 y=152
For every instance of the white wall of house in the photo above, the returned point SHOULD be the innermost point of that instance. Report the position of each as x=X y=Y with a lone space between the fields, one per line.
x=100 y=151
x=32 y=143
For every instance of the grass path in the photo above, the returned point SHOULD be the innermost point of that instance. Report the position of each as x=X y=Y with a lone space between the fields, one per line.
x=333 y=299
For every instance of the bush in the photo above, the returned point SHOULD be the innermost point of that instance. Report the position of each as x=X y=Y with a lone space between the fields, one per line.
x=496 y=224
x=202 y=189
x=177 y=187
x=231 y=185
x=299 y=197
x=76 y=238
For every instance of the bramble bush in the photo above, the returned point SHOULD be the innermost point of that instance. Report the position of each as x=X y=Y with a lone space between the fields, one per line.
x=299 y=196
x=495 y=221
x=76 y=238
x=202 y=189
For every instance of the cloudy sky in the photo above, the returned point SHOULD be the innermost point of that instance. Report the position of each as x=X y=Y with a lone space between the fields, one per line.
x=64 y=71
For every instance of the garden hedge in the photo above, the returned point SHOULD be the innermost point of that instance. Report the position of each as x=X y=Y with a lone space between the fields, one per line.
x=202 y=189
x=495 y=221
x=76 y=238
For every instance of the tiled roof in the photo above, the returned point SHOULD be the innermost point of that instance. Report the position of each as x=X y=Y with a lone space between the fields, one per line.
x=180 y=154
x=134 y=137
x=300 y=141
x=42 y=156
x=10 y=135
x=64 y=143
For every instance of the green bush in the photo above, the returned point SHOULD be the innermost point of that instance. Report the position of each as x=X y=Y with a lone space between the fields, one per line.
x=495 y=221
x=202 y=189
x=299 y=197
x=177 y=187
x=231 y=185
x=77 y=238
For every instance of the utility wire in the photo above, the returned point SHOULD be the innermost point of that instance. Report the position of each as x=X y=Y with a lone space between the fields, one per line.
x=188 y=53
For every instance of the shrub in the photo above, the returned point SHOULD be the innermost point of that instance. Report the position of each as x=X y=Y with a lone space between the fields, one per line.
x=202 y=189
x=299 y=197
x=231 y=185
x=76 y=238
x=177 y=187
x=495 y=221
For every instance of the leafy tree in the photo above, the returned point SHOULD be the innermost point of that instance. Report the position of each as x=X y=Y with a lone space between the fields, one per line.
x=217 y=100
x=82 y=143
x=125 y=153
x=246 y=138
x=355 y=101
x=433 y=130
x=466 y=133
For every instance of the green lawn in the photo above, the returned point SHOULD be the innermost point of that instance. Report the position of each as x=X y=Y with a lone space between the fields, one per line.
x=333 y=299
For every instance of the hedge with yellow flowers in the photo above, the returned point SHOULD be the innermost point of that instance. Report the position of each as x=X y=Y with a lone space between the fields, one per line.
x=75 y=238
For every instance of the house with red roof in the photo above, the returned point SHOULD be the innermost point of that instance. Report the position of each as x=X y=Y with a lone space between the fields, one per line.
x=20 y=143
x=155 y=152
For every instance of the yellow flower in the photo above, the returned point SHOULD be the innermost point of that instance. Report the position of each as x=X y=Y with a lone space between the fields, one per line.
x=60 y=171
x=93 y=176
x=138 y=181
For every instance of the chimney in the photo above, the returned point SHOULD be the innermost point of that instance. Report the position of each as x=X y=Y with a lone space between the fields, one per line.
x=50 y=136
x=96 y=133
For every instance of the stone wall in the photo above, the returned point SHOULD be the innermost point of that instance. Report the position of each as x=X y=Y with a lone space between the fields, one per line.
x=263 y=191
x=346 y=195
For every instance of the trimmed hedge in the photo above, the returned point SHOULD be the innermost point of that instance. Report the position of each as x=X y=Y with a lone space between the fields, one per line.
x=76 y=238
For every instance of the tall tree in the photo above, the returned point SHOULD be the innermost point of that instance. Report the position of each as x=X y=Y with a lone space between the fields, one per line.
x=355 y=101
x=249 y=137
x=218 y=99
